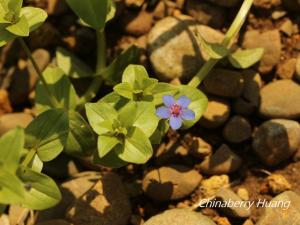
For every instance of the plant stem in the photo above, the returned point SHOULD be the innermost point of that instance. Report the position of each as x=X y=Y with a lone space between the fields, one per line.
x=29 y=157
x=101 y=64
x=227 y=42
x=27 y=51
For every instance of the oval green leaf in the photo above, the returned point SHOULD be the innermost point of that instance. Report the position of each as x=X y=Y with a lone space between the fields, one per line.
x=47 y=134
x=42 y=191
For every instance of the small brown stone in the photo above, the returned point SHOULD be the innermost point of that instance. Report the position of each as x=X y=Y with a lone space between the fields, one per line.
x=209 y=187
x=107 y=203
x=287 y=69
x=216 y=114
x=12 y=120
x=224 y=161
x=5 y=106
x=170 y=182
x=278 y=184
x=270 y=41
x=237 y=130
x=224 y=83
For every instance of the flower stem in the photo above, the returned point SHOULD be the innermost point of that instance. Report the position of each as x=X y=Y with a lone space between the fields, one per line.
x=101 y=63
x=29 y=157
x=27 y=51
x=227 y=42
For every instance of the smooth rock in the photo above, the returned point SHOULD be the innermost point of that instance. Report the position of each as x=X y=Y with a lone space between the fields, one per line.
x=287 y=27
x=138 y=24
x=224 y=83
x=266 y=4
x=216 y=113
x=226 y=3
x=5 y=106
x=276 y=140
x=173 y=48
x=223 y=161
x=278 y=183
x=17 y=215
x=243 y=194
x=249 y=100
x=4 y=219
x=297 y=74
x=42 y=59
x=227 y=195
x=270 y=41
x=280 y=99
x=237 y=130
x=200 y=148
x=206 y=13
x=179 y=217
x=107 y=203
x=170 y=182
x=12 y=120
x=287 y=69
x=248 y=222
x=284 y=215
x=71 y=190
x=209 y=187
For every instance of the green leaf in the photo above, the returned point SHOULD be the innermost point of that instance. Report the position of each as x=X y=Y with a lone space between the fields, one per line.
x=21 y=28
x=11 y=187
x=135 y=76
x=111 y=10
x=242 y=59
x=60 y=86
x=92 y=12
x=42 y=191
x=81 y=140
x=115 y=100
x=213 y=50
x=113 y=73
x=47 y=134
x=36 y=164
x=198 y=103
x=124 y=89
x=14 y=6
x=11 y=144
x=110 y=160
x=71 y=65
x=34 y=16
x=137 y=147
x=99 y=112
x=5 y=36
x=141 y=115
x=162 y=89
x=105 y=144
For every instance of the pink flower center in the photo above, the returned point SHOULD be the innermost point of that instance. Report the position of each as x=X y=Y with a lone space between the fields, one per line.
x=176 y=110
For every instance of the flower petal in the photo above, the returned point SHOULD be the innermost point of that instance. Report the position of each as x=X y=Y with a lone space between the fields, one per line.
x=168 y=100
x=183 y=101
x=163 y=112
x=175 y=122
x=188 y=114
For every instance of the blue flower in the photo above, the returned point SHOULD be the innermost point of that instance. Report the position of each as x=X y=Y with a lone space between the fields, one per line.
x=175 y=111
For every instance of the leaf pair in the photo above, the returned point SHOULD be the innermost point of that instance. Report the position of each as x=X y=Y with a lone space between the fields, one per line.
x=16 y=21
x=78 y=136
x=124 y=134
x=136 y=85
x=240 y=59
x=19 y=184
